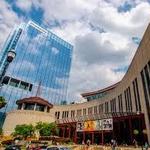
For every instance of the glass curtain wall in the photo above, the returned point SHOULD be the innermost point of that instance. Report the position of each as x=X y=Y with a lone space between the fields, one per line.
x=41 y=67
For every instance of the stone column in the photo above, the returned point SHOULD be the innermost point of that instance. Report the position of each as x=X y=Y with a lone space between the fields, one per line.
x=23 y=105
x=45 y=109
x=35 y=106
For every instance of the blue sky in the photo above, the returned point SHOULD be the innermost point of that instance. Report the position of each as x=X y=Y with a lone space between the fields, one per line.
x=105 y=34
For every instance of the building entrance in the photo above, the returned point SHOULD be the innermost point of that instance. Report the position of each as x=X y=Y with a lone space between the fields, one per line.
x=89 y=136
x=125 y=130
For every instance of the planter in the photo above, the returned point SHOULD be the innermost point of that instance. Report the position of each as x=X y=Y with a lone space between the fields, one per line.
x=2 y=105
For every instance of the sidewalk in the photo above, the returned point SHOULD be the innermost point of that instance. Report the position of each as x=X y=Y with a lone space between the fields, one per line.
x=81 y=147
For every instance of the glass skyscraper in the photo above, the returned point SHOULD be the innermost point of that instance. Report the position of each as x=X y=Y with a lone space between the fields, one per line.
x=41 y=67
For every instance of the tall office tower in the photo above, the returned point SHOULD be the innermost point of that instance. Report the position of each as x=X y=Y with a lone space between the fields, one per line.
x=41 y=66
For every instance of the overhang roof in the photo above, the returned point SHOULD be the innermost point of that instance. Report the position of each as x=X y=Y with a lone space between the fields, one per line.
x=37 y=100
x=100 y=91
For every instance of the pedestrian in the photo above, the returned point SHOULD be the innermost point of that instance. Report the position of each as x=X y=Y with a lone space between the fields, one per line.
x=135 y=143
x=88 y=142
x=113 y=144
x=83 y=142
x=146 y=146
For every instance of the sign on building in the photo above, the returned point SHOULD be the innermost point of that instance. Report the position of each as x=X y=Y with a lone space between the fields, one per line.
x=97 y=125
x=80 y=126
x=107 y=124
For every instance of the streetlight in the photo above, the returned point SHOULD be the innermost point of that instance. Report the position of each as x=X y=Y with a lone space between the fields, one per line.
x=10 y=57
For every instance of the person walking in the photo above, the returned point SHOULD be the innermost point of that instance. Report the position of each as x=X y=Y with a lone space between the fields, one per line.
x=88 y=142
x=146 y=146
x=113 y=144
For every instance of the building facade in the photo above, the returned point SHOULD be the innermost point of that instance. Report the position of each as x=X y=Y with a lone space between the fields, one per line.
x=41 y=67
x=121 y=111
x=29 y=111
x=127 y=103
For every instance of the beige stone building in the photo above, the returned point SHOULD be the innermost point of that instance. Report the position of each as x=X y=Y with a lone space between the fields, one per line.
x=30 y=111
x=127 y=103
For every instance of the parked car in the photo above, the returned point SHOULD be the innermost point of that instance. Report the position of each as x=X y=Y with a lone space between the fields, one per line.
x=13 y=147
x=44 y=147
x=58 y=148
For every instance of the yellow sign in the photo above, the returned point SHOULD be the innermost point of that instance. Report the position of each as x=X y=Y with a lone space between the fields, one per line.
x=97 y=125
x=89 y=125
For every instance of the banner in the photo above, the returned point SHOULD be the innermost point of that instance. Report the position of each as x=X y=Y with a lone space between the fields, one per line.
x=80 y=126
x=97 y=125
x=107 y=124
x=89 y=125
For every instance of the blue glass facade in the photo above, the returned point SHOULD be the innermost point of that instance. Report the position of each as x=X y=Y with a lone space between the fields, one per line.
x=41 y=67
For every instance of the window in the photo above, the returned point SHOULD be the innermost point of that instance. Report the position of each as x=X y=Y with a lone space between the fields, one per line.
x=29 y=106
x=72 y=113
x=90 y=110
x=136 y=95
x=100 y=108
x=58 y=114
x=84 y=112
x=79 y=112
x=126 y=102
x=145 y=93
x=129 y=99
x=40 y=107
x=63 y=114
x=106 y=107
x=113 y=105
x=19 y=107
x=95 y=109
x=30 y=87
x=6 y=80
x=24 y=85
x=17 y=83
x=120 y=103
x=147 y=78
x=67 y=114
x=14 y=82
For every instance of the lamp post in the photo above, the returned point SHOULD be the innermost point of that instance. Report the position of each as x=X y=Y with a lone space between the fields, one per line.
x=10 y=57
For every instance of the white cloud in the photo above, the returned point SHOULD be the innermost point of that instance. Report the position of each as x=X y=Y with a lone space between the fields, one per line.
x=8 y=19
x=96 y=54
x=24 y=4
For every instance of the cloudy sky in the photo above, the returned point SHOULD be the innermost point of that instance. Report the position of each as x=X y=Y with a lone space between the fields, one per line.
x=105 y=34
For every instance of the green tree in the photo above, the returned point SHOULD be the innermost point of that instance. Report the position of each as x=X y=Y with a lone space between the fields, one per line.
x=46 y=129
x=24 y=130
x=2 y=101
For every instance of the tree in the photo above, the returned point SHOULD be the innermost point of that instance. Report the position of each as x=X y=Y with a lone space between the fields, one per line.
x=2 y=102
x=24 y=130
x=46 y=129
